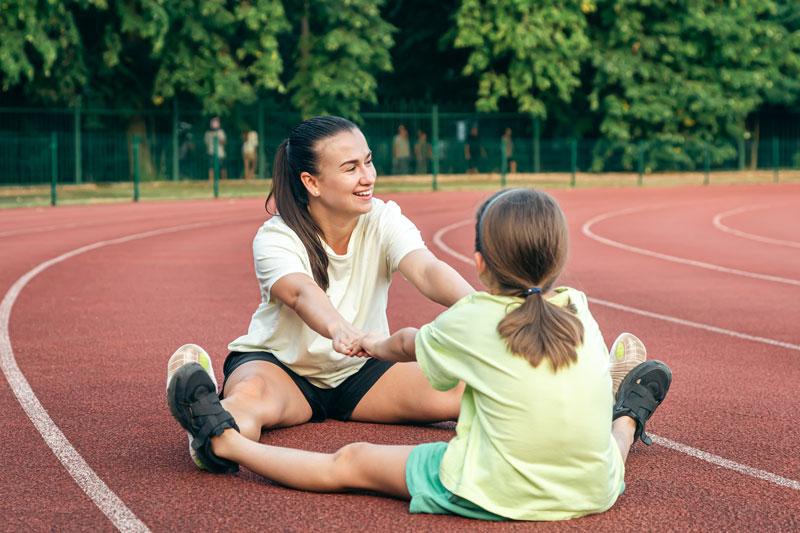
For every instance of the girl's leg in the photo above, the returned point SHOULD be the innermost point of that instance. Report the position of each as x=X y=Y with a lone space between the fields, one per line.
x=623 y=429
x=403 y=394
x=261 y=395
x=358 y=466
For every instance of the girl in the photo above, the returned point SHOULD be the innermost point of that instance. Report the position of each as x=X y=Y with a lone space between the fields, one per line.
x=534 y=439
x=324 y=263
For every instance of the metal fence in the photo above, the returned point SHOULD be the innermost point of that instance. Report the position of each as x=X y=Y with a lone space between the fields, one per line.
x=79 y=145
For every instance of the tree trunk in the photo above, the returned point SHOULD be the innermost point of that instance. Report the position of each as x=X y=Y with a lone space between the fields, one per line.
x=754 y=144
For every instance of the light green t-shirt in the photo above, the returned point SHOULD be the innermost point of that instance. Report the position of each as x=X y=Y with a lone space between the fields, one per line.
x=531 y=444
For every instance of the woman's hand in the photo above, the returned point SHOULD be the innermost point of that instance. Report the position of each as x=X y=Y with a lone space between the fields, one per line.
x=344 y=339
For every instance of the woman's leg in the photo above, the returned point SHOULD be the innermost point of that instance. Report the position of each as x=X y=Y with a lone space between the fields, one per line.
x=403 y=394
x=261 y=395
x=358 y=466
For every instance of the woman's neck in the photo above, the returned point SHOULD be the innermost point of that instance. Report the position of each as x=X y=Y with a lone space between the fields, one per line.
x=336 y=231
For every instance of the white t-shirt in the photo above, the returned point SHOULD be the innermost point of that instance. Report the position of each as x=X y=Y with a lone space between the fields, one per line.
x=209 y=140
x=358 y=288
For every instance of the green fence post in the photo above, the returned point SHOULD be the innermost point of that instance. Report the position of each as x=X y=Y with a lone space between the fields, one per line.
x=435 y=132
x=175 y=148
x=537 y=159
x=53 y=167
x=707 y=164
x=77 y=133
x=262 y=166
x=776 y=155
x=503 y=162
x=640 y=165
x=573 y=160
x=135 y=168
x=216 y=167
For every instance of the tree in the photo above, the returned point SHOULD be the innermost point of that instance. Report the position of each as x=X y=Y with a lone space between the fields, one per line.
x=41 y=52
x=684 y=74
x=529 y=52
x=342 y=45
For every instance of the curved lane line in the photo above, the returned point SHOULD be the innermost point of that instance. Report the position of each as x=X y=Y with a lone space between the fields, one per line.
x=752 y=236
x=661 y=441
x=102 y=496
x=587 y=230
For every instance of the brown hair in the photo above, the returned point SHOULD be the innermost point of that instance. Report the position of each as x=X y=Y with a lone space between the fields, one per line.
x=522 y=235
x=296 y=155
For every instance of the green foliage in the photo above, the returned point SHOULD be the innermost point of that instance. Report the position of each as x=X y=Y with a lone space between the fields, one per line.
x=40 y=48
x=528 y=51
x=677 y=74
x=220 y=52
x=342 y=45
x=684 y=73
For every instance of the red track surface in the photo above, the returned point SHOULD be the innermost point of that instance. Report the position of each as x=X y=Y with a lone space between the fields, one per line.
x=91 y=334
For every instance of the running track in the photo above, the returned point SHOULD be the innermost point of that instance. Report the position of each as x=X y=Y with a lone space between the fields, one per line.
x=96 y=298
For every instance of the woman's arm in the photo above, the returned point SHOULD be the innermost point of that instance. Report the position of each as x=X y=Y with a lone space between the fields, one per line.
x=434 y=278
x=399 y=347
x=312 y=305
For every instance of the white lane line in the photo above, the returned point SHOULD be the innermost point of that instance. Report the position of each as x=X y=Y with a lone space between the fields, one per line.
x=587 y=230
x=752 y=236
x=726 y=463
x=683 y=448
x=102 y=496
x=697 y=325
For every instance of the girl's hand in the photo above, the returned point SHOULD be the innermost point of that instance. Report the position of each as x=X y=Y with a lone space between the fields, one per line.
x=369 y=345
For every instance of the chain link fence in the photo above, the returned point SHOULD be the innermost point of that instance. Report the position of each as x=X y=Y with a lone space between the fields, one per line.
x=84 y=146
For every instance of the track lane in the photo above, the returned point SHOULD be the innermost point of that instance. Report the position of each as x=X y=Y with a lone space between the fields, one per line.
x=171 y=494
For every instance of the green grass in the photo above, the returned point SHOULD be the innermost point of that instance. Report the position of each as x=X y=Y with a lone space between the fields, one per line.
x=39 y=195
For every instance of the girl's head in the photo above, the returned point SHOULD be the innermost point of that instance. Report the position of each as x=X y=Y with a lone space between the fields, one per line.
x=521 y=244
x=325 y=166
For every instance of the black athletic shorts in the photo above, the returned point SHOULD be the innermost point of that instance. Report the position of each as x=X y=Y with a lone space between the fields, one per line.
x=337 y=403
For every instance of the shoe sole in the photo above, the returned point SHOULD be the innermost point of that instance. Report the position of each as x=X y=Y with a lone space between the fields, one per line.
x=190 y=353
x=625 y=354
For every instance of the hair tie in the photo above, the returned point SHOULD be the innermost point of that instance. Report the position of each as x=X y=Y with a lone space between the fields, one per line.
x=532 y=290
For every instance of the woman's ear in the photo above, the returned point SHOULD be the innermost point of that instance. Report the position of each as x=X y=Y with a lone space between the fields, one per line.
x=310 y=182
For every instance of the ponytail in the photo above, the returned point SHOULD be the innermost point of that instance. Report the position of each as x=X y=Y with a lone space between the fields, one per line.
x=538 y=329
x=291 y=201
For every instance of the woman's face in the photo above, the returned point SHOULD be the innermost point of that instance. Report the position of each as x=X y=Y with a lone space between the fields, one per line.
x=346 y=175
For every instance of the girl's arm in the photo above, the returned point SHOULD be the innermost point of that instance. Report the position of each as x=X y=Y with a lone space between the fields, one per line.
x=434 y=278
x=312 y=305
x=398 y=347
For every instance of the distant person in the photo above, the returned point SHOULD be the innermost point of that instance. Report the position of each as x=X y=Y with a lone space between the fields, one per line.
x=542 y=433
x=186 y=149
x=215 y=131
x=249 y=155
x=509 y=147
x=474 y=152
x=423 y=152
x=401 y=151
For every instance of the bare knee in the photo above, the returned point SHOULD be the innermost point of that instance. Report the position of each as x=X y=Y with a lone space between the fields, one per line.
x=346 y=466
x=254 y=405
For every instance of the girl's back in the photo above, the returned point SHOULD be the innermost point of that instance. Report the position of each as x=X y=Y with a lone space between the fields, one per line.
x=531 y=443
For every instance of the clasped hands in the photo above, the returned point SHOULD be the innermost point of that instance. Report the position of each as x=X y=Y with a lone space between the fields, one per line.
x=355 y=343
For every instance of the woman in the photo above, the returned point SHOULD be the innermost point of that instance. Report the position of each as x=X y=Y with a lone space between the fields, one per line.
x=324 y=264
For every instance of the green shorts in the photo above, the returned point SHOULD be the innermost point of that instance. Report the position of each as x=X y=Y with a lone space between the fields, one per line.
x=428 y=495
